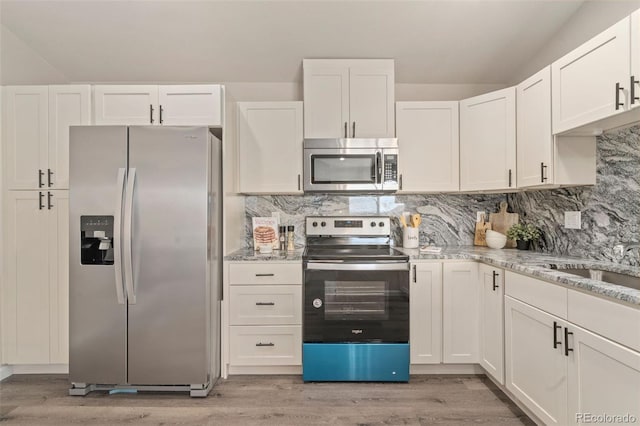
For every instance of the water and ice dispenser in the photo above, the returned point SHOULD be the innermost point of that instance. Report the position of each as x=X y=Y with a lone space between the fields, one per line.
x=96 y=240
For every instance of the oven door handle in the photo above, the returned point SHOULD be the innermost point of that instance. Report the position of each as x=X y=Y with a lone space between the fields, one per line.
x=378 y=266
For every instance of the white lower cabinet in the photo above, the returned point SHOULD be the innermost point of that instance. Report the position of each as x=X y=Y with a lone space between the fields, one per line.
x=536 y=371
x=565 y=374
x=492 y=321
x=35 y=288
x=603 y=379
x=265 y=345
x=460 y=305
x=425 y=313
x=262 y=327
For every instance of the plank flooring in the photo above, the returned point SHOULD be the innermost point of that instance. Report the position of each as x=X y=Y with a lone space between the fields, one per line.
x=266 y=400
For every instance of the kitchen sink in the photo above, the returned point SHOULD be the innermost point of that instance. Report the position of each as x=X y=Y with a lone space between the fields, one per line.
x=606 y=276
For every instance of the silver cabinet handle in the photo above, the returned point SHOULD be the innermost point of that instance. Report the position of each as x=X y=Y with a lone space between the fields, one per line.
x=127 y=237
x=353 y=131
x=509 y=178
x=161 y=110
x=150 y=113
x=49 y=197
x=40 y=174
x=298 y=182
x=401 y=182
x=265 y=275
x=117 y=235
x=49 y=180
x=40 y=205
x=345 y=130
x=632 y=90
x=260 y=344
x=265 y=304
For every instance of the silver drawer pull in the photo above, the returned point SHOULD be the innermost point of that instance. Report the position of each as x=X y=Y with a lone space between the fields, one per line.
x=264 y=344
x=265 y=304
x=265 y=275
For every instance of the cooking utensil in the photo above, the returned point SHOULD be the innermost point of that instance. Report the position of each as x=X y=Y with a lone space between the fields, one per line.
x=403 y=221
x=502 y=221
x=416 y=220
x=480 y=238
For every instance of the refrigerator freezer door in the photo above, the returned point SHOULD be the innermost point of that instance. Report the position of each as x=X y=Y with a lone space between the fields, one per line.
x=97 y=322
x=168 y=340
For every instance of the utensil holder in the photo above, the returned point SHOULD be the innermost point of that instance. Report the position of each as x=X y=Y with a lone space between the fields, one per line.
x=410 y=237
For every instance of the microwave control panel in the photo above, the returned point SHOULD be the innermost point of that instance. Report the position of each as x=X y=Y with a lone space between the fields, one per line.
x=390 y=168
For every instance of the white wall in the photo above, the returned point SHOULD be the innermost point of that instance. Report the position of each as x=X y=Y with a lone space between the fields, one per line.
x=592 y=18
x=20 y=64
x=442 y=92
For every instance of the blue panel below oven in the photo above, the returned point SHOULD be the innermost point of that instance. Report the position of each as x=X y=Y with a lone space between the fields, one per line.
x=355 y=362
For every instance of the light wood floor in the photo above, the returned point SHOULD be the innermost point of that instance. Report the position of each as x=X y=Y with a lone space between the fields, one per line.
x=266 y=400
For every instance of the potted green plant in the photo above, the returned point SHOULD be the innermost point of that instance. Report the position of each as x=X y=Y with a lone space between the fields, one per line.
x=523 y=233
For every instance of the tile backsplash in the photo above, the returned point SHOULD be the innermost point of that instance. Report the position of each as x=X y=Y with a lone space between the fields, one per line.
x=610 y=209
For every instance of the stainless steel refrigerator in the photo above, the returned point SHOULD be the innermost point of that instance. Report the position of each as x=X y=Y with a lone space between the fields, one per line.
x=145 y=258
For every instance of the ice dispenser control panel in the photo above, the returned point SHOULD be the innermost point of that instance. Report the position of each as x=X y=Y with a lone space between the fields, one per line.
x=96 y=240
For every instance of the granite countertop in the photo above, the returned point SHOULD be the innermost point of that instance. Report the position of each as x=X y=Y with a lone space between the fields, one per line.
x=249 y=255
x=538 y=265
x=526 y=262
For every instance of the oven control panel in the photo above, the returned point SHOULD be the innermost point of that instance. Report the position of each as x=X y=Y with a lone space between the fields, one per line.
x=348 y=225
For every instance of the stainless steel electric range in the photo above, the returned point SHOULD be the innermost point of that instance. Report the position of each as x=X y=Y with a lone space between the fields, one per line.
x=356 y=302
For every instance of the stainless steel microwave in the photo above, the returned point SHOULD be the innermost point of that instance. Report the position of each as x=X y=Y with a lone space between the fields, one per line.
x=351 y=165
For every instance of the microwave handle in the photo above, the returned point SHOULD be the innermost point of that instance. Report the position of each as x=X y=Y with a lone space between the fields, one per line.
x=379 y=167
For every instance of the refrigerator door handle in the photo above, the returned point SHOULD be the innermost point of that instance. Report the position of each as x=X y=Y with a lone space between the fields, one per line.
x=127 y=237
x=117 y=234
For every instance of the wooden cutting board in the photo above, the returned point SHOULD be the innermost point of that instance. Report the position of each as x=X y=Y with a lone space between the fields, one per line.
x=480 y=238
x=502 y=221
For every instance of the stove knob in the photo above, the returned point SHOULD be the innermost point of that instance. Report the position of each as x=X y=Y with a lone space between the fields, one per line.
x=323 y=224
x=314 y=224
x=381 y=224
x=373 y=224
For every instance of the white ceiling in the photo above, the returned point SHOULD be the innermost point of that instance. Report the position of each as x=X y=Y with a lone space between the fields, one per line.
x=468 y=41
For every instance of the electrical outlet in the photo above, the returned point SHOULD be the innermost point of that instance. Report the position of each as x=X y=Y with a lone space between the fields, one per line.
x=479 y=214
x=572 y=220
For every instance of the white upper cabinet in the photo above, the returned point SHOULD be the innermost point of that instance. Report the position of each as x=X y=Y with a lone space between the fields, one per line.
x=429 y=146
x=36 y=133
x=270 y=147
x=534 y=136
x=348 y=98
x=425 y=313
x=192 y=105
x=634 y=80
x=26 y=128
x=591 y=82
x=545 y=160
x=125 y=104
x=488 y=141
x=69 y=105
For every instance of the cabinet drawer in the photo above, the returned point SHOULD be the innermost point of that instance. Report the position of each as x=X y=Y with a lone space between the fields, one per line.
x=265 y=273
x=267 y=345
x=612 y=320
x=265 y=304
x=548 y=297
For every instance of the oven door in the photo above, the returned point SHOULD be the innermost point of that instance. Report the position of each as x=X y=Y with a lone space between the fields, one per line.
x=345 y=169
x=356 y=302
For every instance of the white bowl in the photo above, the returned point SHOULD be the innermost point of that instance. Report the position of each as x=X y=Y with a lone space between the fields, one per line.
x=495 y=239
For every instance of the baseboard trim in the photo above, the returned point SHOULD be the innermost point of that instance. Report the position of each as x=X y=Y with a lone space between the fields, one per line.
x=285 y=369
x=40 y=369
x=5 y=371
x=446 y=369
